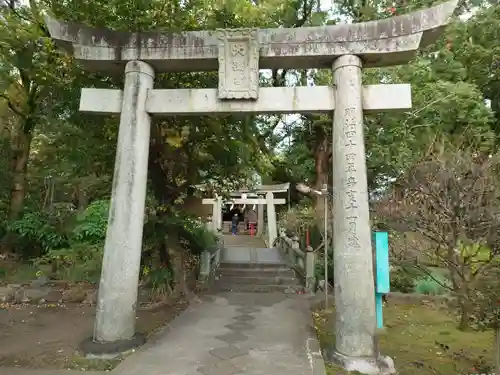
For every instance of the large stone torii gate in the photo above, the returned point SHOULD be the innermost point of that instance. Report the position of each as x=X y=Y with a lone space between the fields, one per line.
x=238 y=55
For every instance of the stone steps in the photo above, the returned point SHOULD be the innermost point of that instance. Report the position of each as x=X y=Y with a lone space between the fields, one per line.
x=242 y=240
x=263 y=273
x=251 y=288
x=256 y=266
x=256 y=280
x=256 y=277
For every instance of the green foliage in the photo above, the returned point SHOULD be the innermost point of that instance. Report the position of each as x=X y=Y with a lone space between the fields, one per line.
x=199 y=239
x=36 y=234
x=43 y=233
x=80 y=262
x=319 y=270
x=432 y=281
x=429 y=286
x=487 y=301
x=410 y=279
x=160 y=280
x=81 y=258
x=91 y=224
x=194 y=235
x=403 y=280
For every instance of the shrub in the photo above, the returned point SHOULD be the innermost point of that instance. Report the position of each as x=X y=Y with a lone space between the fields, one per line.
x=194 y=234
x=435 y=285
x=403 y=280
x=320 y=267
x=92 y=223
x=160 y=280
x=35 y=234
x=81 y=258
x=80 y=262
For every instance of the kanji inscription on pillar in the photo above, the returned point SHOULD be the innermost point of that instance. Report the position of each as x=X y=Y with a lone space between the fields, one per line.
x=238 y=64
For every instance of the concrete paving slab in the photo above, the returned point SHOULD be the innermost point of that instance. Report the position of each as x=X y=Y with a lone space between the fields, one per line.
x=279 y=339
x=251 y=255
x=268 y=255
x=25 y=371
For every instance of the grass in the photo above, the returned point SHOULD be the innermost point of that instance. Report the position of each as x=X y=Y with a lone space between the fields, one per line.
x=423 y=340
x=17 y=273
x=85 y=364
x=428 y=284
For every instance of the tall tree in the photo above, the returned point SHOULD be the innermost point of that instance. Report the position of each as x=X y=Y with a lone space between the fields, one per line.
x=31 y=73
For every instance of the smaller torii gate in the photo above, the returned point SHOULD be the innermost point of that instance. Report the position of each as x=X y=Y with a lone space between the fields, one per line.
x=269 y=201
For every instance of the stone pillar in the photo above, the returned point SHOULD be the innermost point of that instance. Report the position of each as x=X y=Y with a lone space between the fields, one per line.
x=310 y=268
x=260 y=219
x=271 y=218
x=353 y=260
x=215 y=215
x=117 y=300
x=219 y=213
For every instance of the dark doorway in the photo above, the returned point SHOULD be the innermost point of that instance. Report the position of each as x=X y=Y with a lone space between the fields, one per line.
x=228 y=213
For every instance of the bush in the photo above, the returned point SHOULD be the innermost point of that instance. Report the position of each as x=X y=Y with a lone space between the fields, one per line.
x=403 y=280
x=160 y=280
x=35 y=234
x=200 y=239
x=320 y=267
x=194 y=234
x=81 y=259
x=91 y=224
x=436 y=285
x=80 y=262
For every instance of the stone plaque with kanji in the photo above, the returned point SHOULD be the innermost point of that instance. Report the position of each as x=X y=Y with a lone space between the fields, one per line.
x=238 y=64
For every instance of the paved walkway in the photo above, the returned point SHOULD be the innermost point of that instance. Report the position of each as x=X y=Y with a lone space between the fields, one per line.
x=243 y=240
x=25 y=371
x=248 y=249
x=251 y=255
x=234 y=333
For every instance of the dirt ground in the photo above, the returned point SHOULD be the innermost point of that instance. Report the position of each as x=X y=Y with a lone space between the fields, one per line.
x=47 y=337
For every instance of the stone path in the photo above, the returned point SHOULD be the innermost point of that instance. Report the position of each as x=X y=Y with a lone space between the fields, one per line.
x=243 y=240
x=250 y=255
x=25 y=371
x=234 y=333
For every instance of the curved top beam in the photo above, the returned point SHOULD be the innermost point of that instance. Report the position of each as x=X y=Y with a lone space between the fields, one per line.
x=386 y=42
x=274 y=188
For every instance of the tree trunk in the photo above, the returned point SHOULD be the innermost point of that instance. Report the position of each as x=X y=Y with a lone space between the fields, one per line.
x=462 y=286
x=321 y=166
x=465 y=313
x=497 y=350
x=464 y=300
x=80 y=198
x=176 y=255
x=20 y=158
x=321 y=159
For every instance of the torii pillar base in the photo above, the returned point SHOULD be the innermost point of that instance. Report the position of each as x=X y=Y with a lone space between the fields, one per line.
x=368 y=366
x=109 y=350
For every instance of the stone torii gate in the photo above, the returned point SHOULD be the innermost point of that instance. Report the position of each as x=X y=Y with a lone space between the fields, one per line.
x=238 y=55
x=269 y=201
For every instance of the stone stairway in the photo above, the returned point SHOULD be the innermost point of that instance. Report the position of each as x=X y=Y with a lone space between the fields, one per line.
x=243 y=240
x=248 y=266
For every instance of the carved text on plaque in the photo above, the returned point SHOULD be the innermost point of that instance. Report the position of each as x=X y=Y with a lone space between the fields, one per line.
x=238 y=64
